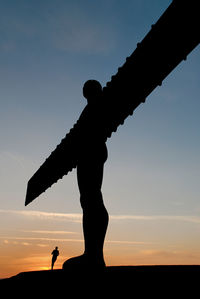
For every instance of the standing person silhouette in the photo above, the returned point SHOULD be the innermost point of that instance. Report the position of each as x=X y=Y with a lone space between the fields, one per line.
x=92 y=154
x=55 y=254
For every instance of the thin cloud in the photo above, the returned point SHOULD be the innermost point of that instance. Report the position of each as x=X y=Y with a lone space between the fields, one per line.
x=13 y=242
x=40 y=239
x=76 y=32
x=127 y=242
x=42 y=245
x=71 y=28
x=74 y=217
x=77 y=217
x=54 y=232
x=26 y=241
x=192 y=219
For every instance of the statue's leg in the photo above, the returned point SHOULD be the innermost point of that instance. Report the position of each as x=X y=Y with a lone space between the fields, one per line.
x=95 y=216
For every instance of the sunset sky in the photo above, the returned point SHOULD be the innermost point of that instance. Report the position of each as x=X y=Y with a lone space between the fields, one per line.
x=48 y=49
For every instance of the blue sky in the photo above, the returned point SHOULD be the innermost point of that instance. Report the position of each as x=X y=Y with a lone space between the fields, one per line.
x=48 y=49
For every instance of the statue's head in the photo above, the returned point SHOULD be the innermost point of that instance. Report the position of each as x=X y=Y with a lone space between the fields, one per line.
x=92 y=90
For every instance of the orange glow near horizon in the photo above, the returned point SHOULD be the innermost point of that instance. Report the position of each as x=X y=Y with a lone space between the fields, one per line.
x=23 y=261
x=130 y=240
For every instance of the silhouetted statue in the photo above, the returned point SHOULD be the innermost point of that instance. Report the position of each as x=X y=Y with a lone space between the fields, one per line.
x=168 y=42
x=92 y=154
x=55 y=254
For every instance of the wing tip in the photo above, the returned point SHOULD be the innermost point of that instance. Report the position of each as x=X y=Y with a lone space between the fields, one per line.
x=27 y=200
x=29 y=196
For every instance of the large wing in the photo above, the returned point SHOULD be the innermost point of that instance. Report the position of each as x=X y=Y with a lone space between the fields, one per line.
x=59 y=163
x=169 y=41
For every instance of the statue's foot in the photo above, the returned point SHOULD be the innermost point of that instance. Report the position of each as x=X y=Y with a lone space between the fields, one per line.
x=83 y=262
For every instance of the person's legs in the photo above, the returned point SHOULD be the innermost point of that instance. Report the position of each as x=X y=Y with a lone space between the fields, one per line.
x=52 y=262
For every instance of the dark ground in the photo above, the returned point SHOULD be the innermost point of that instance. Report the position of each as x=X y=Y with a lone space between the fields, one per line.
x=134 y=281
